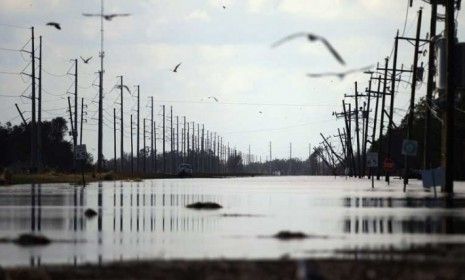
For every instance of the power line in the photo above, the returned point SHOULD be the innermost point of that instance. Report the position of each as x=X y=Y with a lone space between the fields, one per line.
x=245 y=103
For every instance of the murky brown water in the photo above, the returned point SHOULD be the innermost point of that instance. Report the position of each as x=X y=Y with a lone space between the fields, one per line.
x=148 y=219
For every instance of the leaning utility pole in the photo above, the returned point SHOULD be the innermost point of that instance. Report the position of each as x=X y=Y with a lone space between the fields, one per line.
x=72 y=128
x=21 y=115
x=366 y=116
x=449 y=116
x=430 y=86
x=412 y=96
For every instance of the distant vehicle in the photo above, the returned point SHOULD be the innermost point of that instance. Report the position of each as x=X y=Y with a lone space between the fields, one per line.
x=184 y=170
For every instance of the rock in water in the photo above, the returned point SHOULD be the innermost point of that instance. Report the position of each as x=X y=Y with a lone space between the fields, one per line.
x=90 y=213
x=29 y=239
x=204 y=206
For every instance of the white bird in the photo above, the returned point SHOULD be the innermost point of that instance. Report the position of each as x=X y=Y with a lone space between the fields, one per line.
x=311 y=37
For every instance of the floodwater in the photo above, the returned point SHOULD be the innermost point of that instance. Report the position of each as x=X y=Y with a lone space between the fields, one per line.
x=149 y=220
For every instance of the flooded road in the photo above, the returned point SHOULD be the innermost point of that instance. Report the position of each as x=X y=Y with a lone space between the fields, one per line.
x=146 y=220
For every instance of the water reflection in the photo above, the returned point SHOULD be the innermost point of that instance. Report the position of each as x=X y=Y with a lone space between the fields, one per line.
x=148 y=219
x=407 y=202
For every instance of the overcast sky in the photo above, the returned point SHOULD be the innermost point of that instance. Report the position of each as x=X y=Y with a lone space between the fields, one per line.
x=224 y=53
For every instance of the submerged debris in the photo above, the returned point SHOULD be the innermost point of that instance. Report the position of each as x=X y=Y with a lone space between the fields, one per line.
x=29 y=239
x=90 y=213
x=204 y=205
x=287 y=235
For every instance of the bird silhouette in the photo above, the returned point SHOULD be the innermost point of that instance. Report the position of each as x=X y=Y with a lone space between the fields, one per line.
x=340 y=75
x=214 y=98
x=54 y=24
x=312 y=38
x=86 y=60
x=260 y=112
x=175 y=70
x=124 y=86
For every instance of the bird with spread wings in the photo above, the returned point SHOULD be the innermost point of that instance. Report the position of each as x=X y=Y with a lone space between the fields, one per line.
x=312 y=38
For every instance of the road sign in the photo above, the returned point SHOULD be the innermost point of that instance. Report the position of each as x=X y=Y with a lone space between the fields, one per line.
x=388 y=165
x=80 y=152
x=372 y=160
x=433 y=177
x=409 y=148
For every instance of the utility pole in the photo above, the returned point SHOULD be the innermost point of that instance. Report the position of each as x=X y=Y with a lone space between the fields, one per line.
x=75 y=135
x=449 y=116
x=412 y=96
x=381 y=125
x=72 y=127
x=39 y=109
x=391 y=108
x=132 y=149
x=357 y=130
x=100 y=124
x=164 y=133
x=114 y=140
x=82 y=120
x=138 y=129
x=152 y=156
x=366 y=116
x=121 y=122
x=155 y=146
x=33 y=110
x=177 y=141
x=271 y=160
x=145 y=150
x=171 y=141
x=203 y=148
x=430 y=86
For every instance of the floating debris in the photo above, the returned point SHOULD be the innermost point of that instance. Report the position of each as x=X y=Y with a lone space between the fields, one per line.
x=29 y=239
x=204 y=206
x=287 y=235
x=90 y=213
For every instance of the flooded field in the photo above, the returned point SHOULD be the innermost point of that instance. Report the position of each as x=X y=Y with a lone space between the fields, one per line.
x=149 y=220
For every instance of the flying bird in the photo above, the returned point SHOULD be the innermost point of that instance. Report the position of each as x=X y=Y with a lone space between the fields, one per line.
x=175 y=70
x=214 y=98
x=260 y=112
x=86 y=60
x=340 y=75
x=54 y=24
x=312 y=38
x=124 y=86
